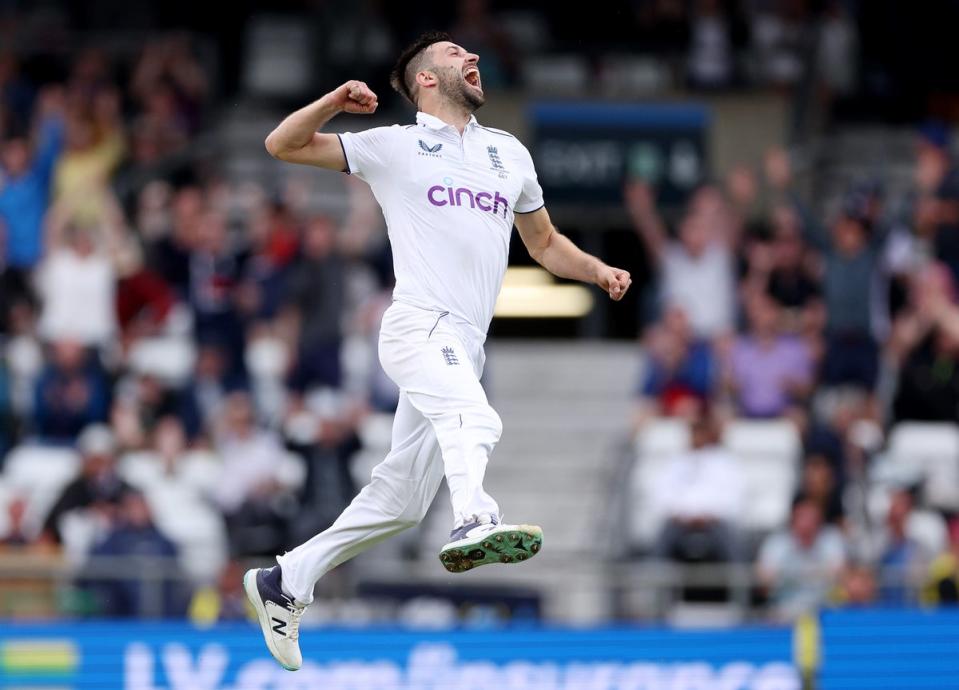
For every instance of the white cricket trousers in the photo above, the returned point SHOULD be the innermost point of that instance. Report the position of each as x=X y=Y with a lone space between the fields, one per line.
x=444 y=425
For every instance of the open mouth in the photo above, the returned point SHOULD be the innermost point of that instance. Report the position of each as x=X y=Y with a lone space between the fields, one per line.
x=472 y=77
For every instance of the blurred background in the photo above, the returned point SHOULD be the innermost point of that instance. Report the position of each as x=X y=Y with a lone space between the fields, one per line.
x=760 y=440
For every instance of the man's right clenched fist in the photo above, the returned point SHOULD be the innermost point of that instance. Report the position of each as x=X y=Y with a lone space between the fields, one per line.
x=355 y=97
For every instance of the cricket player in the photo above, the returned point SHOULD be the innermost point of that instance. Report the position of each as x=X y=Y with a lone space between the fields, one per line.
x=451 y=190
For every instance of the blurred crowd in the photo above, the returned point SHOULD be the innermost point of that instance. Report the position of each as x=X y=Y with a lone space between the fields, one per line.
x=842 y=320
x=204 y=351
x=207 y=349
x=810 y=46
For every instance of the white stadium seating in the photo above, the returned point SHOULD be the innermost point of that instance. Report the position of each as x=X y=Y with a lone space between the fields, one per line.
x=768 y=453
x=658 y=442
x=375 y=433
x=193 y=524
x=169 y=359
x=930 y=453
x=38 y=473
x=6 y=498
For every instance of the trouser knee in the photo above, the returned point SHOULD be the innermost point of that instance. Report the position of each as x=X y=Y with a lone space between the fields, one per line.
x=412 y=516
x=402 y=501
x=483 y=421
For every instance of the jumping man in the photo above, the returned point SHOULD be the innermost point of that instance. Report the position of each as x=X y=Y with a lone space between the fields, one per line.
x=451 y=190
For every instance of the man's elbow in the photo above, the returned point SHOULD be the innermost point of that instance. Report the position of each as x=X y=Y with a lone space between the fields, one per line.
x=538 y=254
x=273 y=147
x=538 y=250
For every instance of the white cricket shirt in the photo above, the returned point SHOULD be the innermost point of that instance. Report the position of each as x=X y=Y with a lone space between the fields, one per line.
x=449 y=202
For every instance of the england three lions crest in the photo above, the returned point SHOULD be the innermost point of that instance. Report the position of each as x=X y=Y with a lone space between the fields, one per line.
x=496 y=163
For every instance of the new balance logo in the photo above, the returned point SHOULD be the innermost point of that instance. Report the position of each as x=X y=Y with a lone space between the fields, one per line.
x=430 y=150
x=450 y=356
x=279 y=626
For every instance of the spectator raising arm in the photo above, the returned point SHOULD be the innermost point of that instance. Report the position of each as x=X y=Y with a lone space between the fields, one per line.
x=647 y=222
x=50 y=134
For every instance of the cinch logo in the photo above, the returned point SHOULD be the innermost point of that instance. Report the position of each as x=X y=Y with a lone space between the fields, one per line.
x=460 y=196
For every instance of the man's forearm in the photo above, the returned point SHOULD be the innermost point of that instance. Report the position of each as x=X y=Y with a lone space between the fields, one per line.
x=296 y=139
x=564 y=259
x=297 y=130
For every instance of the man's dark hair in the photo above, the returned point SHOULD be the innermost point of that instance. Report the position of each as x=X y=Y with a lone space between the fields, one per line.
x=403 y=76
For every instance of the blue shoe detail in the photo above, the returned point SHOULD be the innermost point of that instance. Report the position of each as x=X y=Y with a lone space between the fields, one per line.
x=462 y=532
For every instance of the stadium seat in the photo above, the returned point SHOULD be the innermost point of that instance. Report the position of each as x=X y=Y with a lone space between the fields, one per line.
x=663 y=437
x=24 y=360
x=39 y=473
x=527 y=30
x=168 y=359
x=376 y=431
x=554 y=74
x=631 y=75
x=140 y=469
x=267 y=361
x=200 y=469
x=930 y=452
x=192 y=524
x=267 y=358
x=929 y=529
x=375 y=434
x=80 y=531
x=656 y=444
x=180 y=510
x=357 y=357
x=692 y=616
x=6 y=498
x=768 y=452
x=291 y=471
x=33 y=466
x=278 y=56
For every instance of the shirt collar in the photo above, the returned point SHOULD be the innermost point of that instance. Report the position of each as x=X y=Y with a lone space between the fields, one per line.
x=434 y=122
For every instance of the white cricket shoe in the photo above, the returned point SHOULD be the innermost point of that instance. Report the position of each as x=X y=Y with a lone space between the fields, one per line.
x=278 y=614
x=484 y=541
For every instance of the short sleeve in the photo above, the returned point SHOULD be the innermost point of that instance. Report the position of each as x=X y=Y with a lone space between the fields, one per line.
x=653 y=380
x=802 y=365
x=700 y=369
x=368 y=153
x=834 y=548
x=531 y=197
x=772 y=553
x=739 y=359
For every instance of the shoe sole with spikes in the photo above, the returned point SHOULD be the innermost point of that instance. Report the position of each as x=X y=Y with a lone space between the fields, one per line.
x=505 y=544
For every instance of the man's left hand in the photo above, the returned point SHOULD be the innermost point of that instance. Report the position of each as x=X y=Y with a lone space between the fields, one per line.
x=615 y=281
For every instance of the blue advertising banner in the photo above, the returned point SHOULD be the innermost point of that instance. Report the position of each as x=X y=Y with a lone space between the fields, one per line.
x=894 y=649
x=584 y=152
x=177 y=656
